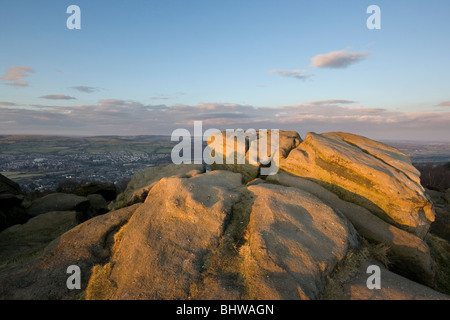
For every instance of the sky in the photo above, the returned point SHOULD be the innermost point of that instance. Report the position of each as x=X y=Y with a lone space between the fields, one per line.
x=149 y=67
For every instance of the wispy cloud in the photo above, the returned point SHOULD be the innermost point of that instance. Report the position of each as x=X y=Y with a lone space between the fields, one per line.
x=85 y=89
x=444 y=104
x=330 y=102
x=58 y=97
x=7 y=104
x=175 y=95
x=14 y=76
x=338 y=59
x=160 y=98
x=297 y=74
x=128 y=117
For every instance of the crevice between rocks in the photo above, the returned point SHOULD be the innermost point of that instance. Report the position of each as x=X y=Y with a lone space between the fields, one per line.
x=223 y=264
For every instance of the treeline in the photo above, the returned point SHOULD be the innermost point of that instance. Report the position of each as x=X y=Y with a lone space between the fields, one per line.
x=435 y=177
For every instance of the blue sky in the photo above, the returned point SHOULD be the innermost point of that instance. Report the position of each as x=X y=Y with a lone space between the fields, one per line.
x=148 y=67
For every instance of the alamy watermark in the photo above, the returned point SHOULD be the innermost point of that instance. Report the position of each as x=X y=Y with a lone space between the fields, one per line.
x=231 y=146
x=374 y=280
x=74 y=20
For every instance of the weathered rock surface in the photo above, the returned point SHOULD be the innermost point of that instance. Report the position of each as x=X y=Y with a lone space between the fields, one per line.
x=167 y=238
x=142 y=181
x=58 y=202
x=393 y=287
x=295 y=240
x=85 y=245
x=365 y=172
x=409 y=253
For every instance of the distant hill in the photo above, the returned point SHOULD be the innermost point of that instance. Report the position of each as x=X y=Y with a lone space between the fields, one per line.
x=423 y=152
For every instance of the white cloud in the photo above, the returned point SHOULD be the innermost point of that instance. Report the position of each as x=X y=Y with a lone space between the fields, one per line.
x=338 y=59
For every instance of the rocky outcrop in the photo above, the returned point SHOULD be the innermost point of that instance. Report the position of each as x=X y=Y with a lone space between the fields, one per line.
x=160 y=249
x=179 y=223
x=248 y=152
x=362 y=171
x=142 y=181
x=295 y=241
x=222 y=235
x=58 y=202
x=409 y=254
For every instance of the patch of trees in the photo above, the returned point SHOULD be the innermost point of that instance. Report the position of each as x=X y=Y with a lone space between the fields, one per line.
x=435 y=177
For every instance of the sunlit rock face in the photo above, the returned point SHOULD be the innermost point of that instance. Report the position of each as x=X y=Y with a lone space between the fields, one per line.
x=369 y=173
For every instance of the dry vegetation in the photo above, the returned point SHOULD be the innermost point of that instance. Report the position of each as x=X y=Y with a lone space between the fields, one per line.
x=349 y=266
x=225 y=260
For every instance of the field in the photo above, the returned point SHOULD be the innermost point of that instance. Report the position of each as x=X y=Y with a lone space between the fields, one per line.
x=45 y=145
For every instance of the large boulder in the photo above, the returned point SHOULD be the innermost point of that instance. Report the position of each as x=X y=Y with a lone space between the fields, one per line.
x=163 y=246
x=243 y=151
x=58 y=202
x=441 y=224
x=8 y=186
x=409 y=254
x=23 y=242
x=295 y=241
x=142 y=181
x=10 y=203
x=393 y=287
x=85 y=246
x=441 y=227
x=368 y=173
x=97 y=206
x=107 y=190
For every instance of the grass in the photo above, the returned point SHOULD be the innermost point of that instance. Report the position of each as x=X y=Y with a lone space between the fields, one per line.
x=21 y=257
x=17 y=175
x=99 y=286
x=118 y=236
x=225 y=261
x=47 y=145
